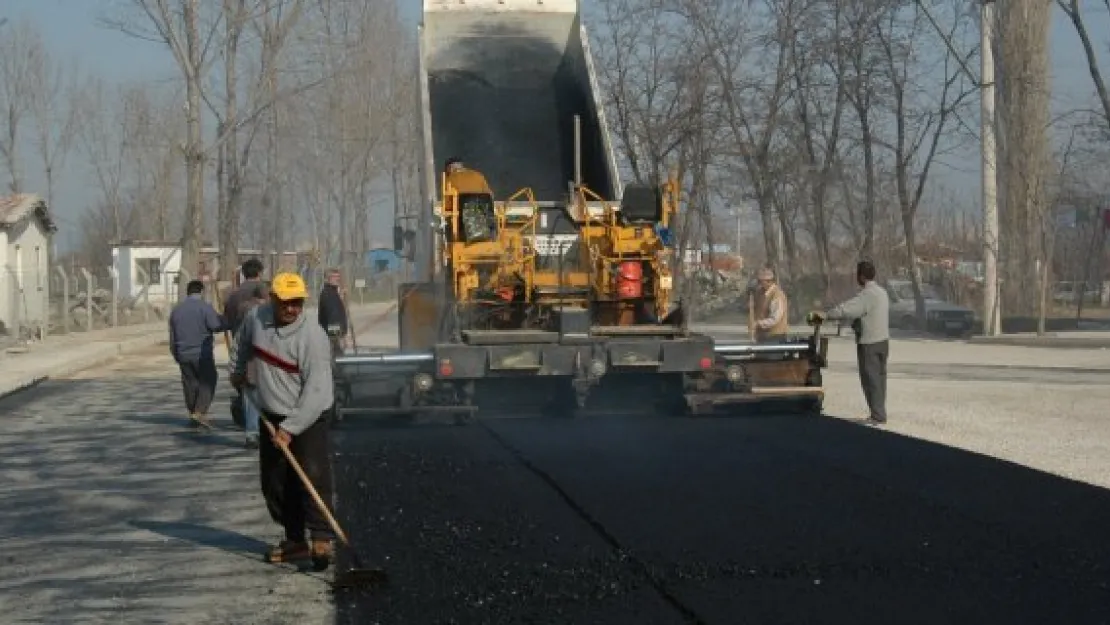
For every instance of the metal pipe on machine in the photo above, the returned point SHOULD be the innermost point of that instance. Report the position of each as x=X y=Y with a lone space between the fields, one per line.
x=384 y=359
x=743 y=348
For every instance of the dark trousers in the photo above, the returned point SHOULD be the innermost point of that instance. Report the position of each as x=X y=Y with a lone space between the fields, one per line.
x=872 y=358
x=286 y=497
x=198 y=381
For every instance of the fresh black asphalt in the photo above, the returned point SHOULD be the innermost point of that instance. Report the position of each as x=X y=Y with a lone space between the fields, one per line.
x=758 y=519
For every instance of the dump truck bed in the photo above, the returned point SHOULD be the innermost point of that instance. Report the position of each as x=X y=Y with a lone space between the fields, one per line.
x=503 y=81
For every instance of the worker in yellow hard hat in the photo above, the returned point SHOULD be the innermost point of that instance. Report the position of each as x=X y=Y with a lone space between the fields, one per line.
x=290 y=358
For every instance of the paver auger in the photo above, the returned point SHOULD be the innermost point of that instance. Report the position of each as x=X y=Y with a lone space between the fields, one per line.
x=558 y=298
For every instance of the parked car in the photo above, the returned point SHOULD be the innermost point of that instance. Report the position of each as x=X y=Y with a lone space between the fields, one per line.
x=1068 y=293
x=940 y=316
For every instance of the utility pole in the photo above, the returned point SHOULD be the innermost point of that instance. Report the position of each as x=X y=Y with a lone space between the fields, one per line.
x=992 y=314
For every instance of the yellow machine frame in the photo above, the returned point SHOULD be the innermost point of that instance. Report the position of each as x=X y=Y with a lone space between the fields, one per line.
x=604 y=244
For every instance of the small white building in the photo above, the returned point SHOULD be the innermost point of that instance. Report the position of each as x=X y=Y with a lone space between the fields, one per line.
x=26 y=232
x=147 y=269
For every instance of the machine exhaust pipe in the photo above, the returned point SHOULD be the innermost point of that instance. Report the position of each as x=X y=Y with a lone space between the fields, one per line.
x=577 y=151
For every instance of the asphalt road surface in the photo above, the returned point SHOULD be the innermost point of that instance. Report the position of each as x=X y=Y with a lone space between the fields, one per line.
x=114 y=513
x=756 y=520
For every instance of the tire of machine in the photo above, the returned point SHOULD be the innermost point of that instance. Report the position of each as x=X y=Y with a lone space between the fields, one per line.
x=342 y=398
x=815 y=405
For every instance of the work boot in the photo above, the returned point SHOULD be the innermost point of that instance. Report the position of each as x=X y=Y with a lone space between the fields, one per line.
x=200 y=421
x=323 y=552
x=288 y=551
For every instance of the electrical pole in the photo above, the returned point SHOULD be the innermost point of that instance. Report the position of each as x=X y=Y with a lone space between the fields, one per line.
x=991 y=301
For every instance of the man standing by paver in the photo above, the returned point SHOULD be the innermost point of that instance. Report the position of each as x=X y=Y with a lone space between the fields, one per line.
x=238 y=303
x=192 y=324
x=332 y=313
x=869 y=312
x=292 y=367
x=767 y=312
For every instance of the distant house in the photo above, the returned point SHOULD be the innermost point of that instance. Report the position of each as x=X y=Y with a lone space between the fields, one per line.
x=26 y=233
x=383 y=260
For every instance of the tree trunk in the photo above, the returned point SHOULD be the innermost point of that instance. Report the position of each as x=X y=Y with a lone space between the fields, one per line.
x=194 y=151
x=229 y=159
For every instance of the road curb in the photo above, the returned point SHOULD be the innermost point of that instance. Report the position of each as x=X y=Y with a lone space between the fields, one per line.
x=1048 y=342
x=111 y=352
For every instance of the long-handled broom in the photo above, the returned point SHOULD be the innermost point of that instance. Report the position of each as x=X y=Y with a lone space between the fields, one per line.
x=358 y=576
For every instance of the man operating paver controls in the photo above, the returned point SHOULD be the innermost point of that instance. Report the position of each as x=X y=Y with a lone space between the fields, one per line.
x=292 y=371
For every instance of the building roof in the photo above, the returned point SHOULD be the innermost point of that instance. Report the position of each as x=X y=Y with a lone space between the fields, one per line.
x=205 y=247
x=16 y=208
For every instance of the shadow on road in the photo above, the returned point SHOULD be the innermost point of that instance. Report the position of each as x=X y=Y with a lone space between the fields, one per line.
x=108 y=514
x=655 y=520
x=205 y=536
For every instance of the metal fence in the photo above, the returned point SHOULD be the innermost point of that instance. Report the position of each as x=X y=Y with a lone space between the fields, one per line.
x=35 y=303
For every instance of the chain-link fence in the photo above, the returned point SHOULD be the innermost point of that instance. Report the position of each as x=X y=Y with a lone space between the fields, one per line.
x=38 y=303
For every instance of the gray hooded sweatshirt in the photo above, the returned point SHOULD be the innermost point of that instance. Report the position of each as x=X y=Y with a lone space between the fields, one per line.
x=291 y=366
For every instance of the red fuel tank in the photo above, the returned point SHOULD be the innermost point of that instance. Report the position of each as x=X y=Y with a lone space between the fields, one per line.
x=630 y=280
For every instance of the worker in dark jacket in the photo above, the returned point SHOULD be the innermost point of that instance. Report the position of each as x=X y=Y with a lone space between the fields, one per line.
x=332 y=314
x=192 y=324
x=238 y=303
x=240 y=300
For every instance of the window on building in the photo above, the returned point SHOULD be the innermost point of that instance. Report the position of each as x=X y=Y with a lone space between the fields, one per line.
x=38 y=267
x=19 y=266
x=150 y=269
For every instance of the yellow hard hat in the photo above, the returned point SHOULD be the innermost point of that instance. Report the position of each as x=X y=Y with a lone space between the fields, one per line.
x=287 y=286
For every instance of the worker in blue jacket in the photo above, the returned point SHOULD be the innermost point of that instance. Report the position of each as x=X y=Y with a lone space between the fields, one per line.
x=192 y=324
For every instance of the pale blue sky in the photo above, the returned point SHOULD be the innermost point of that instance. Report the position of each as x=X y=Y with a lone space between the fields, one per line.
x=72 y=31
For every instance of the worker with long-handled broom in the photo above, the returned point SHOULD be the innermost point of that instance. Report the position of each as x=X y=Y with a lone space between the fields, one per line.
x=292 y=366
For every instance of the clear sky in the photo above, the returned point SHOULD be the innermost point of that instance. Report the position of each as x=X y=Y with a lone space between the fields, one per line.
x=71 y=28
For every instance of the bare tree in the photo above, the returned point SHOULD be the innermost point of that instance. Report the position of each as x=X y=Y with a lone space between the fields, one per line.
x=52 y=98
x=923 y=119
x=20 y=46
x=1025 y=165
x=753 y=67
x=1072 y=9
x=191 y=29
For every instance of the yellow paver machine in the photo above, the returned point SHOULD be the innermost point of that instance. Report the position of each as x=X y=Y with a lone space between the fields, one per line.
x=560 y=297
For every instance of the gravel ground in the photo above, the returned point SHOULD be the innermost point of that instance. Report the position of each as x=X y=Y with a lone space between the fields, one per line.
x=1046 y=422
x=114 y=512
